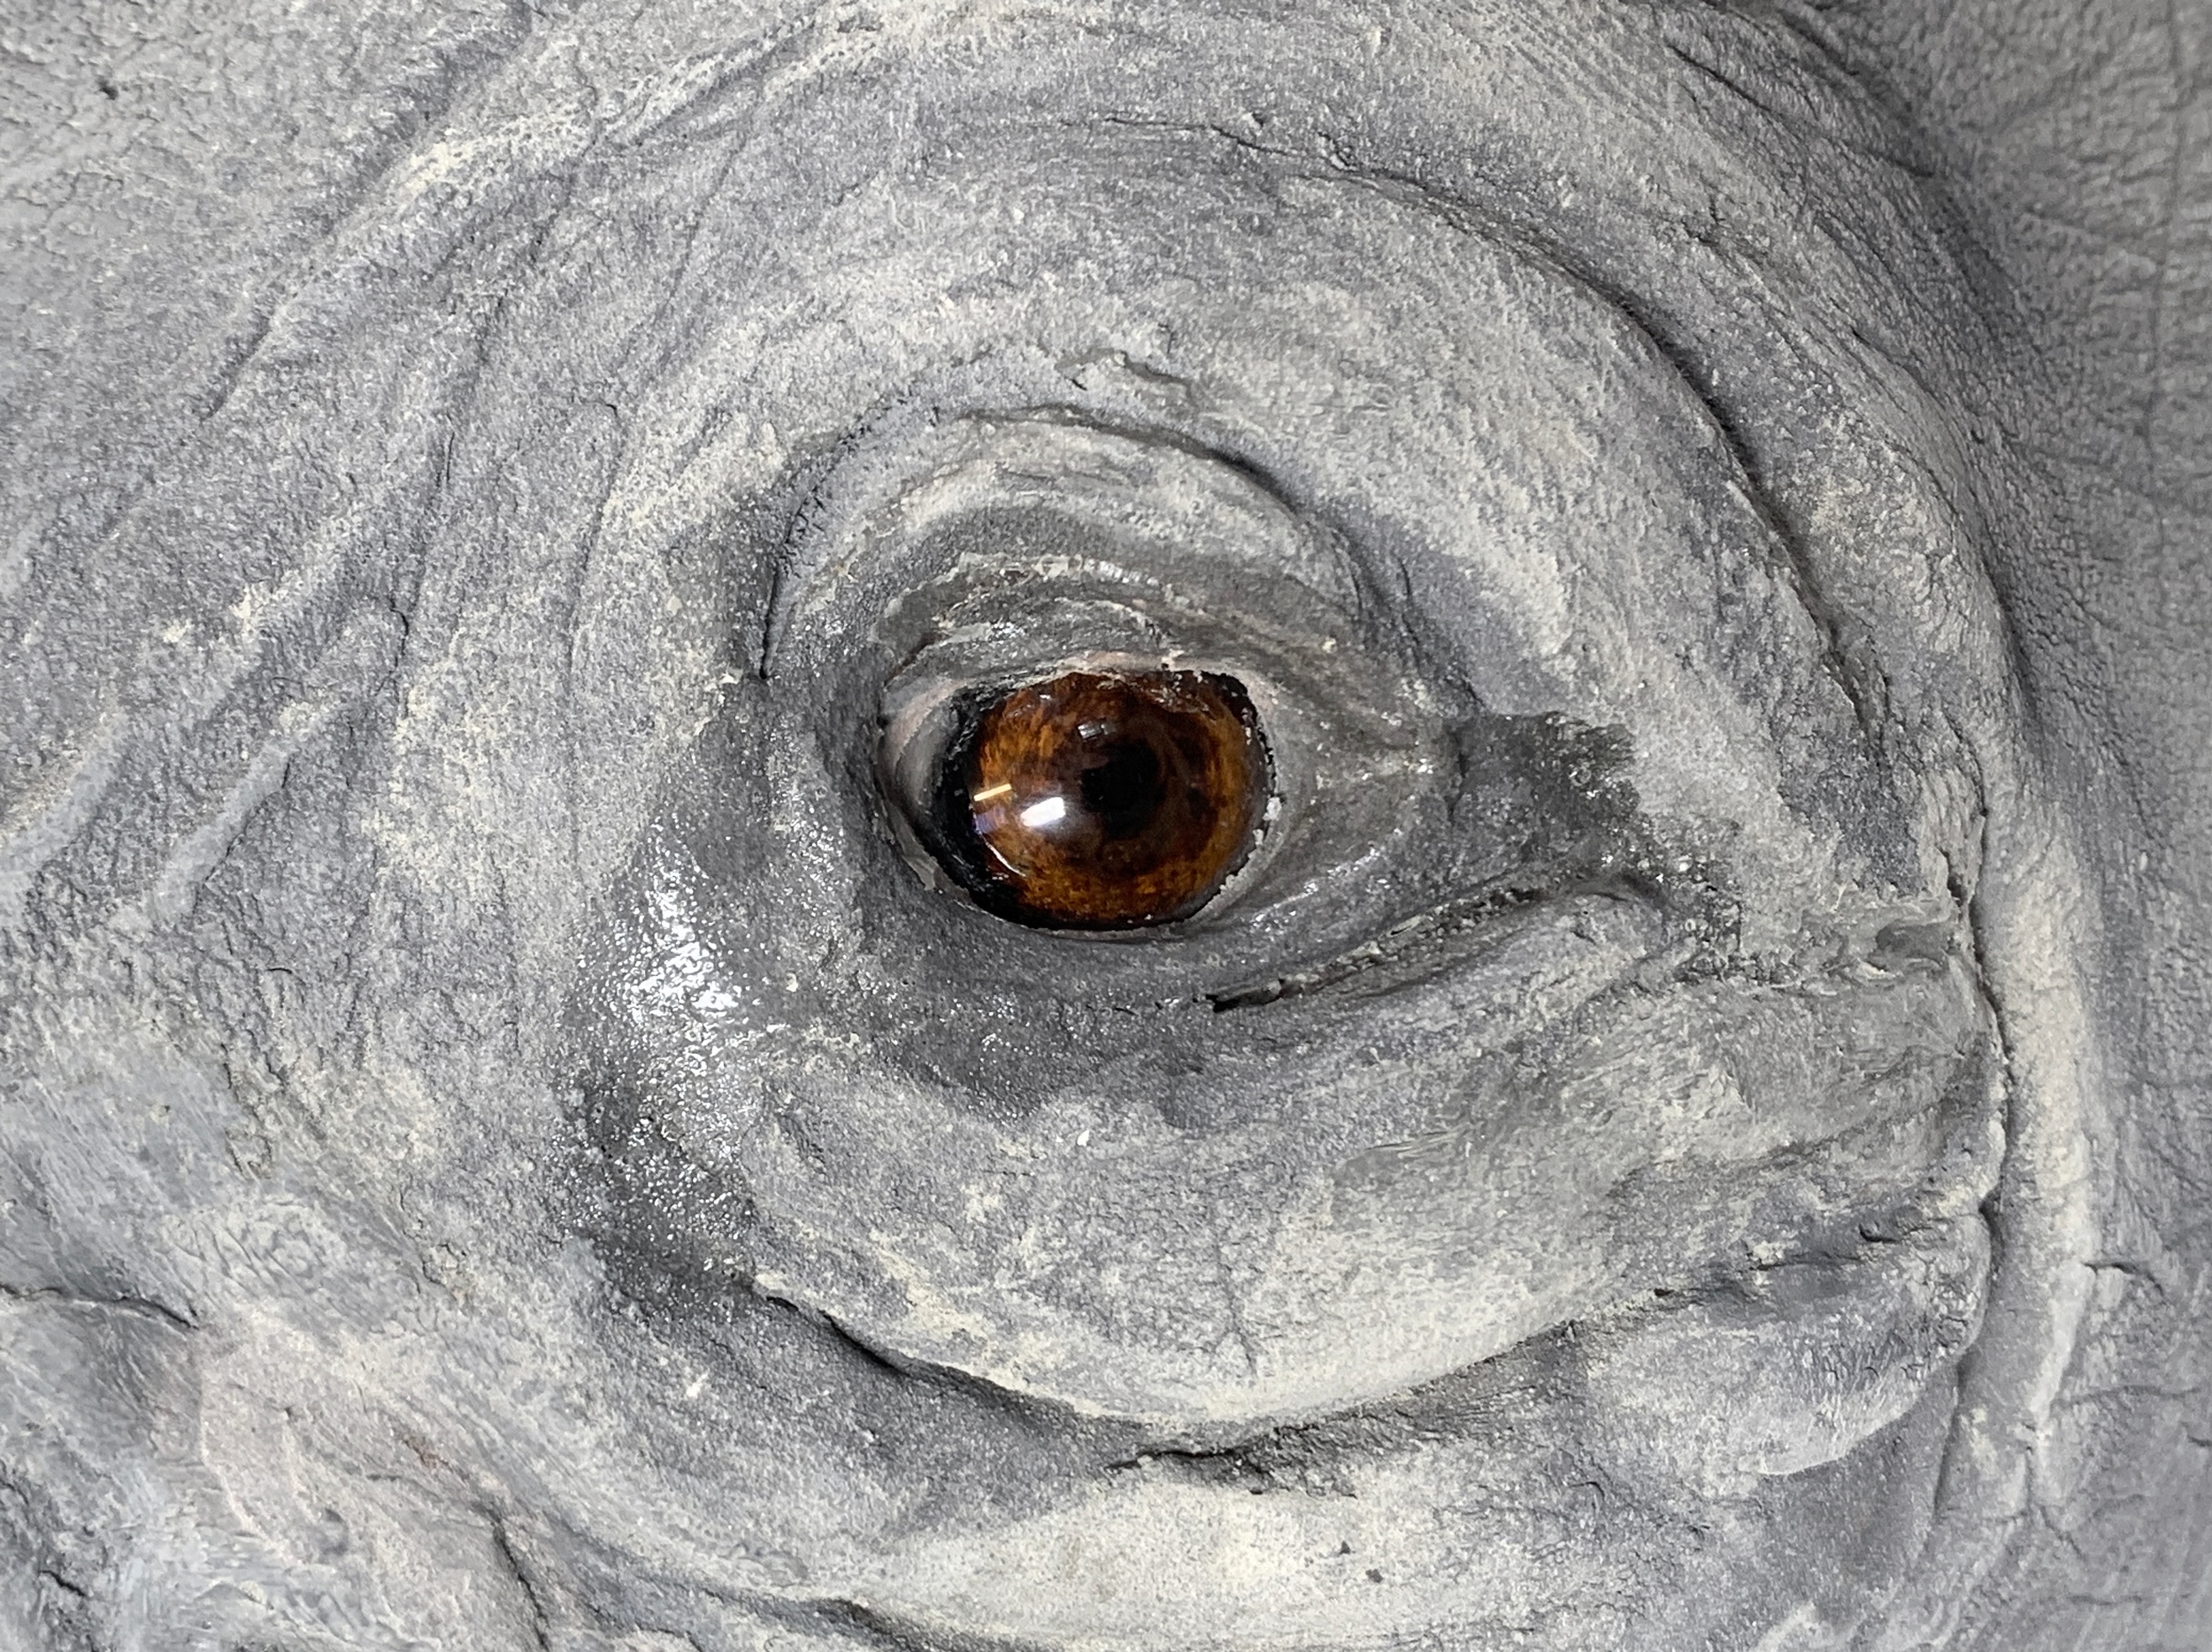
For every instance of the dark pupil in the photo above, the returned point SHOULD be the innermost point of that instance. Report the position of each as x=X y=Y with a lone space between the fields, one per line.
x=1103 y=801
x=1123 y=789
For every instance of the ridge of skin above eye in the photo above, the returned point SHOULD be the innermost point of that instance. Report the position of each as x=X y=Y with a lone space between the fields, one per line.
x=614 y=1207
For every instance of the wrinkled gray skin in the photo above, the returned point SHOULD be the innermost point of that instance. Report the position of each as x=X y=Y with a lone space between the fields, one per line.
x=1689 y=1131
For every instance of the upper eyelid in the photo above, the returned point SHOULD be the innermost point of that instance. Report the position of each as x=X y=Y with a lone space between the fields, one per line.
x=1147 y=492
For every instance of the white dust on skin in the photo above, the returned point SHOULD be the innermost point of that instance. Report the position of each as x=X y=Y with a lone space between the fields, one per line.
x=409 y=1412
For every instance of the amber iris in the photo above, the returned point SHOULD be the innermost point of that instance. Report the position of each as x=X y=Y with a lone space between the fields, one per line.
x=1105 y=800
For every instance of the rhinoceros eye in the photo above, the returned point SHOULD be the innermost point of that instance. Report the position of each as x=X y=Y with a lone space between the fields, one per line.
x=1101 y=800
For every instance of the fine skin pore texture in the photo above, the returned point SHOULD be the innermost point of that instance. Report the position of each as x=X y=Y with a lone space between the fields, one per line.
x=1683 y=1126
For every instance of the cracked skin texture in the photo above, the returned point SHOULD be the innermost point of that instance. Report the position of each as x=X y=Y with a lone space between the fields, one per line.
x=431 y=1220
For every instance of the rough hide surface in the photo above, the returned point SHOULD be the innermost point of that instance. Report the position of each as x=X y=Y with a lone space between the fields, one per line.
x=1688 y=1131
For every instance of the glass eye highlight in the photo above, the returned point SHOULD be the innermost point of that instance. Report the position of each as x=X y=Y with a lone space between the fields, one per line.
x=1103 y=800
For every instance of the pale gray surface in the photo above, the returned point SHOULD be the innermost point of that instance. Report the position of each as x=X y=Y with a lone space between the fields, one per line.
x=501 y=1151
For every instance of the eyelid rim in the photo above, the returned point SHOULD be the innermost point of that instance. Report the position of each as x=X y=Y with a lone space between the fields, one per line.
x=1235 y=577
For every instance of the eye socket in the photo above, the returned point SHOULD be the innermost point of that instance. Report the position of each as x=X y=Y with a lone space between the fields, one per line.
x=1103 y=799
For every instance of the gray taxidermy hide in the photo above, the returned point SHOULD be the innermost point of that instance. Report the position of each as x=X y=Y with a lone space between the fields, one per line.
x=1684 y=1126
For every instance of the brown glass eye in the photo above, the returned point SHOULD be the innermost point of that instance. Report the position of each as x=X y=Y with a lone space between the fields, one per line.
x=1105 y=800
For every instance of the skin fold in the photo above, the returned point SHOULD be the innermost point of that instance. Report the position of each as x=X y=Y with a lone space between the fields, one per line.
x=1684 y=1131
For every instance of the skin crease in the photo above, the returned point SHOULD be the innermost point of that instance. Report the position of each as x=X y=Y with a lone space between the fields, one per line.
x=443 y=443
